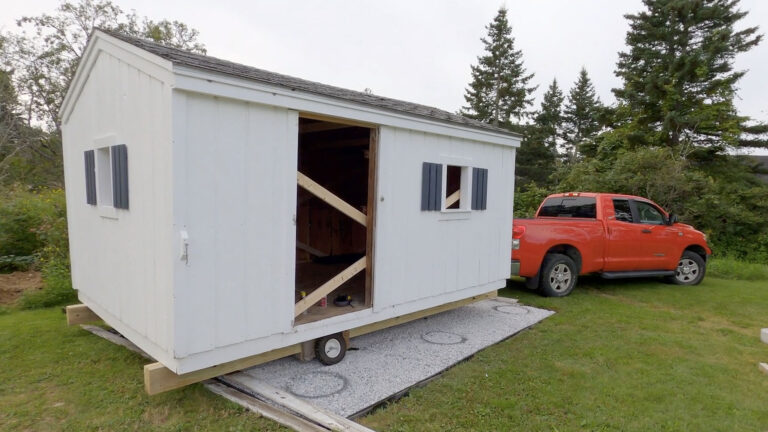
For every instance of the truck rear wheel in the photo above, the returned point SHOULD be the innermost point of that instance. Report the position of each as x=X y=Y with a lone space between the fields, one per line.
x=558 y=275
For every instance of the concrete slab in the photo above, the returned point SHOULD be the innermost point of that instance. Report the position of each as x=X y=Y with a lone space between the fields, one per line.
x=384 y=364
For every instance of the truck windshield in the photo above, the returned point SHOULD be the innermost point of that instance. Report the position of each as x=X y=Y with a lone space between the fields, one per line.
x=570 y=207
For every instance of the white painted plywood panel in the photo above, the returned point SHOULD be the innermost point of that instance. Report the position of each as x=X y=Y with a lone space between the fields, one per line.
x=236 y=192
x=422 y=254
x=121 y=263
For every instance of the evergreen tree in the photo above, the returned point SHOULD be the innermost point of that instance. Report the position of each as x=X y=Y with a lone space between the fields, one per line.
x=678 y=74
x=549 y=119
x=536 y=156
x=581 y=116
x=499 y=88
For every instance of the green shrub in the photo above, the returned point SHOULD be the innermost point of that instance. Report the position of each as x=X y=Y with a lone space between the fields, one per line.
x=33 y=233
x=57 y=287
x=731 y=268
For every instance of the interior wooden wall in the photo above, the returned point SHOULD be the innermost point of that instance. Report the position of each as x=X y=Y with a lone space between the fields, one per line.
x=337 y=159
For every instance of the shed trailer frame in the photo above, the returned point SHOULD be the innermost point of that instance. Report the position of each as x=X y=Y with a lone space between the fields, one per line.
x=193 y=271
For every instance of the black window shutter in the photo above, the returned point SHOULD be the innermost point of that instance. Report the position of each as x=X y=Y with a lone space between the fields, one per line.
x=90 y=177
x=479 y=188
x=120 y=176
x=431 y=186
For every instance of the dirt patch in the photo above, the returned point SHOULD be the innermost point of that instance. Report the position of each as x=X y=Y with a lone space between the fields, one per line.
x=13 y=285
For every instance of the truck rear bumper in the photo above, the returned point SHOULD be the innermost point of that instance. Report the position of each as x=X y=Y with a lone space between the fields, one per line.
x=515 y=268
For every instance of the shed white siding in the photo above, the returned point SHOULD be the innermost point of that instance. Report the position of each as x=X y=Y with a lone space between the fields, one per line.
x=423 y=254
x=200 y=270
x=235 y=196
x=121 y=259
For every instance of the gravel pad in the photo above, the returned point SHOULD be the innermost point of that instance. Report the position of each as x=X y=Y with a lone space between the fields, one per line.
x=386 y=363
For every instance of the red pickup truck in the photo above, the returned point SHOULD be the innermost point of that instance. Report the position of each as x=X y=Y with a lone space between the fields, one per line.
x=617 y=236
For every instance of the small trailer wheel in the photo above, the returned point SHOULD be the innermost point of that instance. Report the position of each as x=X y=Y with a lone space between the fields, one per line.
x=331 y=349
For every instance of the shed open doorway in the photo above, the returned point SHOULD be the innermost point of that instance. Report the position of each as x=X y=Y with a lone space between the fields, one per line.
x=334 y=218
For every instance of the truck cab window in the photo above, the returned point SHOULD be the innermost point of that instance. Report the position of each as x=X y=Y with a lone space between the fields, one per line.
x=622 y=211
x=649 y=214
x=570 y=207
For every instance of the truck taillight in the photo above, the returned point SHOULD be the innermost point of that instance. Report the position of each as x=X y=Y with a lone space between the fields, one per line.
x=517 y=231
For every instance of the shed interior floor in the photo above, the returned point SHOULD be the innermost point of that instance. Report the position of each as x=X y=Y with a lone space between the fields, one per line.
x=310 y=275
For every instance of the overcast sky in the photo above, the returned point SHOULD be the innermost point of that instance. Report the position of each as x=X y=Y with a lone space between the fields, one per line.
x=419 y=51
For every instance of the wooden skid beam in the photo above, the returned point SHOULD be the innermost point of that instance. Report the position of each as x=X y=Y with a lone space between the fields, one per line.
x=359 y=331
x=80 y=314
x=329 y=286
x=324 y=194
x=158 y=378
x=452 y=198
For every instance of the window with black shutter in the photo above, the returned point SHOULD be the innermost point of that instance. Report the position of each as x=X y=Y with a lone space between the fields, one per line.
x=90 y=177
x=431 y=186
x=479 y=188
x=120 y=176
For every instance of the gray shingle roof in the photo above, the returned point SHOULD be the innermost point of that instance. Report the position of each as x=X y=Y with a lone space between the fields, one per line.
x=214 y=64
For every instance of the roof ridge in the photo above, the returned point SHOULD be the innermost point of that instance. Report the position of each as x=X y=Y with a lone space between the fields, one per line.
x=215 y=64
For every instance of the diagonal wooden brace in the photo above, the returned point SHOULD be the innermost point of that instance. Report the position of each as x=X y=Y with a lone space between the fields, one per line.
x=324 y=194
x=452 y=198
x=329 y=286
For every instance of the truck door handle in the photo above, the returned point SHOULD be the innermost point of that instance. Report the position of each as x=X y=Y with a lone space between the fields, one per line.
x=646 y=231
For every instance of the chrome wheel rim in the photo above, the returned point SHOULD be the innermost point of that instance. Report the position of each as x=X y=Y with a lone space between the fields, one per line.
x=687 y=270
x=332 y=348
x=560 y=278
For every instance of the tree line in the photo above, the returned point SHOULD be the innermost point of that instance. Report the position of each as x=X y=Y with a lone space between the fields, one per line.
x=672 y=135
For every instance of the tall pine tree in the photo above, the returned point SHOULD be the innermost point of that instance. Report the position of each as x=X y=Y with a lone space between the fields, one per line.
x=581 y=116
x=679 y=80
x=549 y=119
x=536 y=156
x=499 y=89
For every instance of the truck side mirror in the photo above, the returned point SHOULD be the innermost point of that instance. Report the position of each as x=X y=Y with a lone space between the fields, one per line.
x=672 y=219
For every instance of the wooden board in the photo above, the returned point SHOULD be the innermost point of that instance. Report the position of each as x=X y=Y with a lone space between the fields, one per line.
x=452 y=198
x=359 y=331
x=115 y=339
x=158 y=378
x=80 y=314
x=763 y=367
x=373 y=152
x=282 y=398
x=264 y=409
x=324 y=194
x=329 y=286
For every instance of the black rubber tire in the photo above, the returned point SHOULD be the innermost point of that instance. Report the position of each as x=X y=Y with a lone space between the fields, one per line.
x=690 y=269
x=558 y=275
x=532 y=283
x=331 y=349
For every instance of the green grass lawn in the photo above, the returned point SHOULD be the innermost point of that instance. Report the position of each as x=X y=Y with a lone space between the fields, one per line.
x=634 y=355
x=626 y=356
x=55 y=377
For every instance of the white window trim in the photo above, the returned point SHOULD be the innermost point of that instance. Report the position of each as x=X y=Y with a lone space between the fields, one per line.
x=465 y=187
x=105 y=210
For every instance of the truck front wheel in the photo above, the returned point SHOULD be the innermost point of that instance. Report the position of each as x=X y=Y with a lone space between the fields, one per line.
x=690 y=269
x=558 y=275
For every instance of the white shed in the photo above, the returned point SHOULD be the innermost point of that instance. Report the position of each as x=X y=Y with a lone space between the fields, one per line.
x=213 y=207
